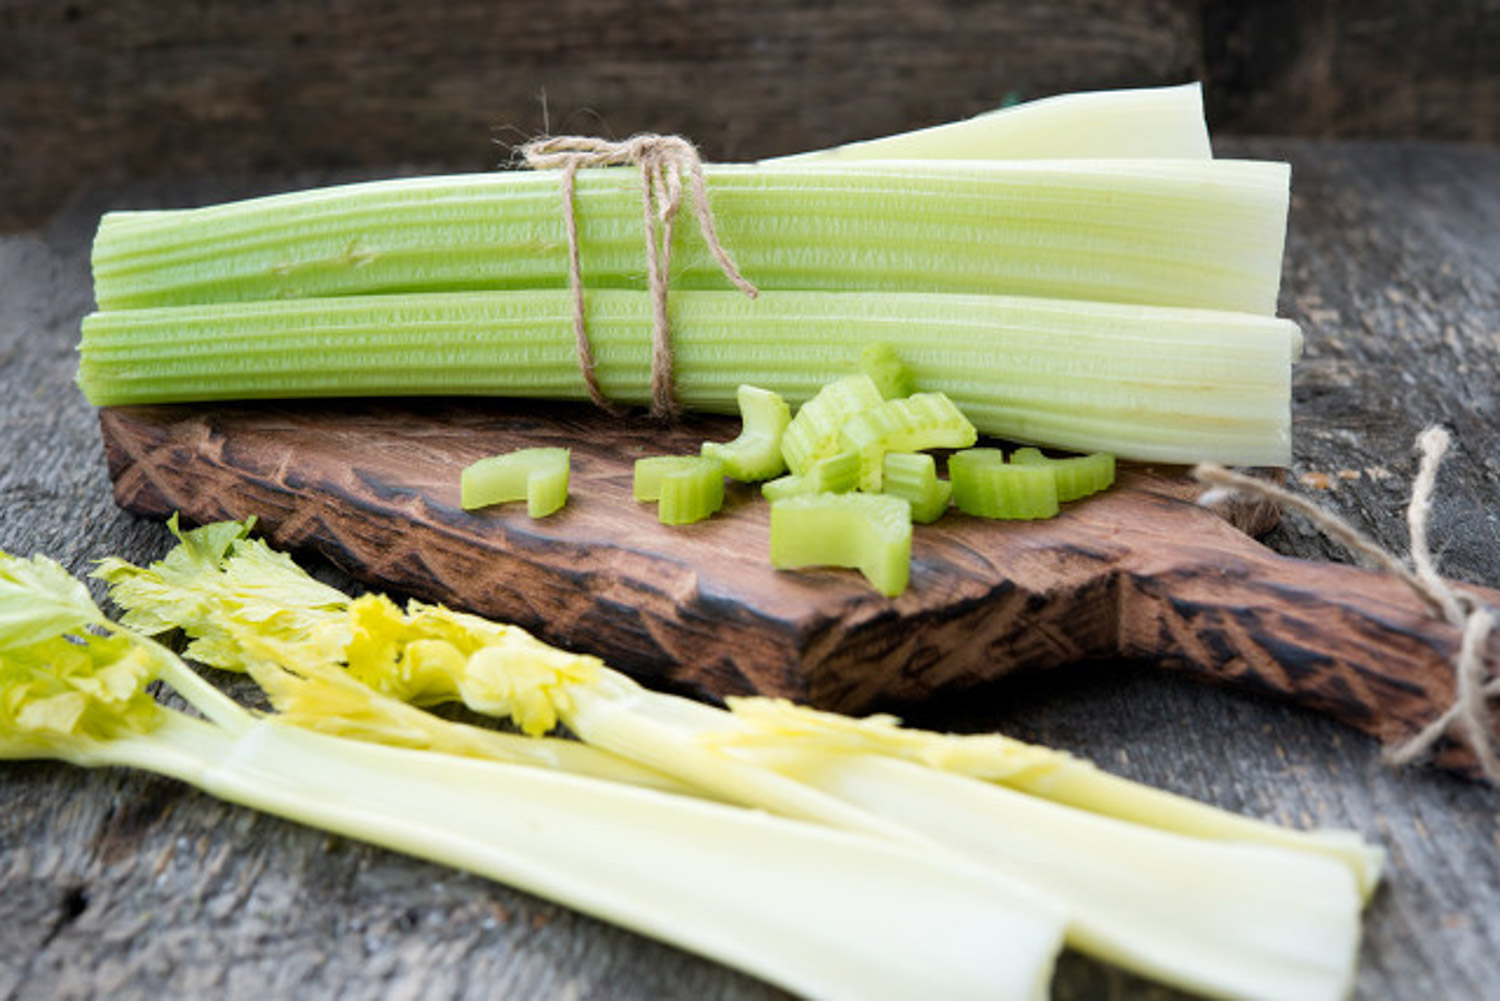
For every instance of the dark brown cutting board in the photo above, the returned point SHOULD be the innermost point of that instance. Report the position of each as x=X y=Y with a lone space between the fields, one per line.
x=1141 y=571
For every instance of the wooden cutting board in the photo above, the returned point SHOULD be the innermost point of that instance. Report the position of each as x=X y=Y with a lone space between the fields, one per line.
x=1139 y=572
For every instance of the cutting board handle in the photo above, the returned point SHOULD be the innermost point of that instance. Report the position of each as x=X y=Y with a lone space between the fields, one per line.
x=1357 y=644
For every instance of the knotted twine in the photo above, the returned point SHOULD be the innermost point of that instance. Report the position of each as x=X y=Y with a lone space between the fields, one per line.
x=664 y=161
x=1468 y=717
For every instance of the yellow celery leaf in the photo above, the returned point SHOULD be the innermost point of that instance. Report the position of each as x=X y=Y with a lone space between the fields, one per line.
x=57 y=714
x=465 y=631
x=91 y=687
x=399 y=655
x=526 y=680
x=39 y=600
x=323 y=696
x=431 y=654
x=218 y=575
x=377 y=627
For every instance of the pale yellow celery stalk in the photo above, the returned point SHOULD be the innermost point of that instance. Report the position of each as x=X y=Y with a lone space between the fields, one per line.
x=1039 y=771
x=1226 y=919
x=1232 y=919
x=784 y=901
x=324 y=697
x=1171 y=906
x=1140 y=122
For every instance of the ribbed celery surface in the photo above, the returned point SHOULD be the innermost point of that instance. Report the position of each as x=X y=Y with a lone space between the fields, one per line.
x=987 y=486
x=1172 y=385
x=1200 y=233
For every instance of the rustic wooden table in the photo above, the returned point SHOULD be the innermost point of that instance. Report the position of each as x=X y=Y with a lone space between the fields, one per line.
x=123 y=885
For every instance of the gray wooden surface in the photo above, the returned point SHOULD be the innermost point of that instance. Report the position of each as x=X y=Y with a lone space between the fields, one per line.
x=123 y=885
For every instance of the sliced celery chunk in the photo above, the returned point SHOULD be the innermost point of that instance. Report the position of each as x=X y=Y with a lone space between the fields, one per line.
x=755 y=454
x=839 y=473
x=987 y=486
x=686 y=488
x=870 y=532
x=1077 y=475
x=913 y=476
x=892 y=376
x=814 y=433
x=537 y=475
x=908 y=424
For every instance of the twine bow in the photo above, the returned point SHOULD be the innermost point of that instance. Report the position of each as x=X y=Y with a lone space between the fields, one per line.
x=1476 y=622
x=664 y=162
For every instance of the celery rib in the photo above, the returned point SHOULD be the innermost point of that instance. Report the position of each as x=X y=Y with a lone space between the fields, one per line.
x=1149 y=383
x=1181 y=233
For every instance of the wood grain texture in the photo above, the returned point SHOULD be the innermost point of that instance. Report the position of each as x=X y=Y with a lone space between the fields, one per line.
x=120 y=885
x=1141 y=571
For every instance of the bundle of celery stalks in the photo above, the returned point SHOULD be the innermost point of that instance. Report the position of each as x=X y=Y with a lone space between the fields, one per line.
x=1077 y=273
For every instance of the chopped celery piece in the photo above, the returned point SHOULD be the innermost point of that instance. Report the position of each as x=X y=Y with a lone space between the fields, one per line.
x=755 y=454
x=907 y=424
x=1077 y=475
x=686 y=488
x=987 y=486
x=837 y=474
x=869 y=532
x=884 y=366
x=1152 y=384
x=1137 y=122
x=537 y=475
x=814 y=433
x=1206 y=234
x=913 y=475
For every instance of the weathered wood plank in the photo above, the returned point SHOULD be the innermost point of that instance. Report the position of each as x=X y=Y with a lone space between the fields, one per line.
x=113 y=92
x=96 y=92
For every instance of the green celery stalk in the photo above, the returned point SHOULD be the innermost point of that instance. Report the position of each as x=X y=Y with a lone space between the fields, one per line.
x=1193 y=233
x=1220 y=918
x=813 y=434
x=1077 y=476
x=1147 y=383
x=885 y=368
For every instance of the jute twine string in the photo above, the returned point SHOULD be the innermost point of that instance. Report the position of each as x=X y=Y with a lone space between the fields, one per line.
x=1476 y=683
x=664 y=162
